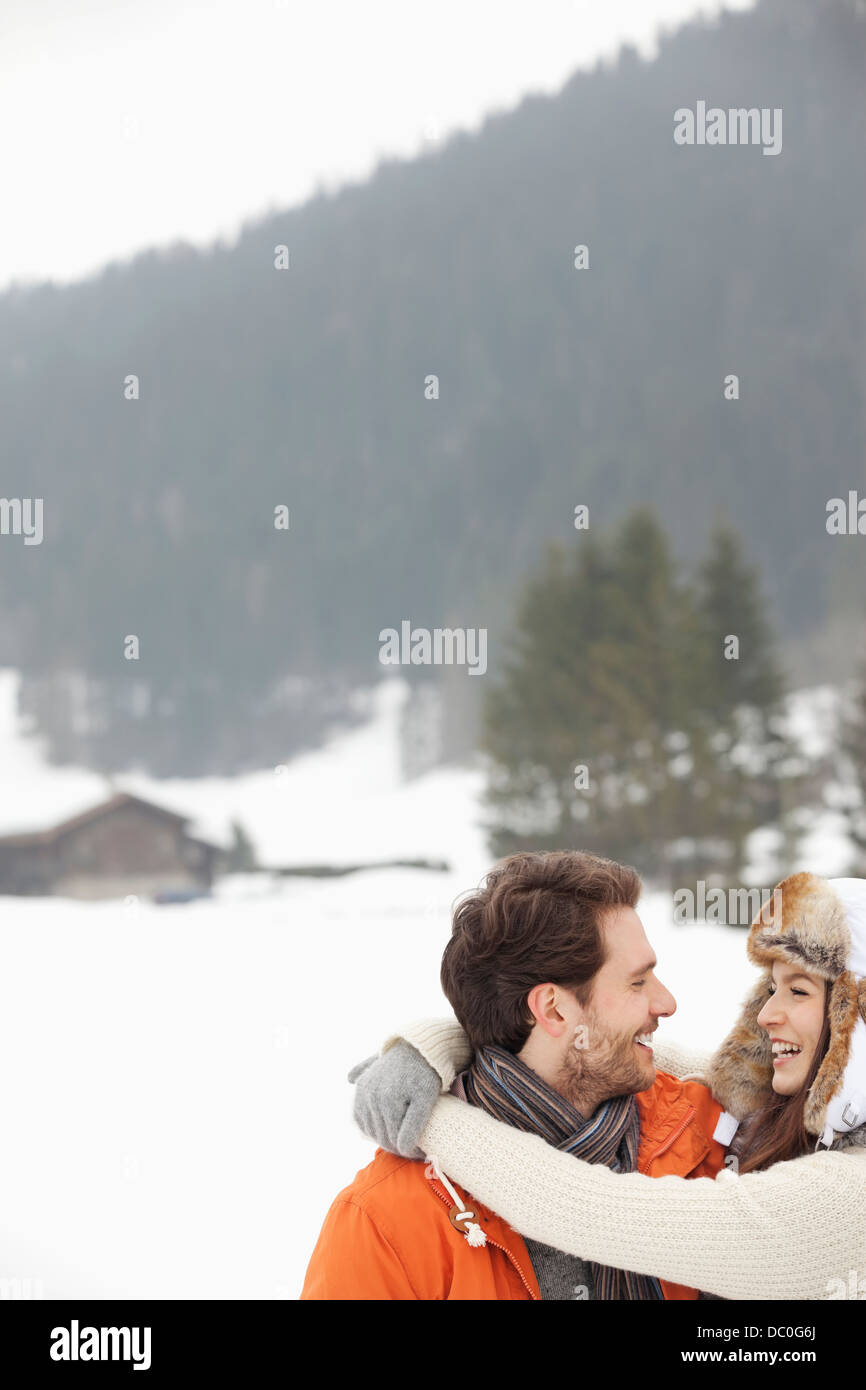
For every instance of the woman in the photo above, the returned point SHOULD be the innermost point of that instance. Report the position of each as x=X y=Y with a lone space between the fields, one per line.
x=792 y=1077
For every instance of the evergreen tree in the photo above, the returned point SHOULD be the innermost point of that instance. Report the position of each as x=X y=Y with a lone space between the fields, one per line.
x=617 y=666
x=745 y=772
x=591 y=680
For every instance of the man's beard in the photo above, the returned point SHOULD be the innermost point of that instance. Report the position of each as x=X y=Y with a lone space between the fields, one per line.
x=609 y=1066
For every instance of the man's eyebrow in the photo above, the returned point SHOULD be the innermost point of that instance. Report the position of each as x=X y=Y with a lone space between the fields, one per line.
x=650 y=965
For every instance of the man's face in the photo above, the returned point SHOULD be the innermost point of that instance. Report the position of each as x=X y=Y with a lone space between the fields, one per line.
x=610 y=1053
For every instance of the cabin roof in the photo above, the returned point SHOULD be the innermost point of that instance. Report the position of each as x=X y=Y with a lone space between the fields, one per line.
x=107 y=807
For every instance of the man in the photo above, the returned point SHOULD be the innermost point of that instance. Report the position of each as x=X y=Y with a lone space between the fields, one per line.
x=552 y=980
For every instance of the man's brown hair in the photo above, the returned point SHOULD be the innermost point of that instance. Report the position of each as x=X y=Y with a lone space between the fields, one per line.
x=537 y=917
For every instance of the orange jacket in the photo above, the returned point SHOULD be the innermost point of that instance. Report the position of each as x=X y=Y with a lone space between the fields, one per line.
x=389 y=1234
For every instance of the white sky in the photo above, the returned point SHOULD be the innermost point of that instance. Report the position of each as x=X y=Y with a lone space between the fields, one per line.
x=128 y=124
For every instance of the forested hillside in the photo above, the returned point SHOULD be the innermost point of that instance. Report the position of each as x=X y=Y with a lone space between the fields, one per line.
x=558 y=386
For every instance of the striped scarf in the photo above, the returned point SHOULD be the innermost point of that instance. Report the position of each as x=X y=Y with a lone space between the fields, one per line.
x=507 y=1089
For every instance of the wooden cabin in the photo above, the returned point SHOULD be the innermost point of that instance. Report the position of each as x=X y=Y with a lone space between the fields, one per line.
x=123 y=846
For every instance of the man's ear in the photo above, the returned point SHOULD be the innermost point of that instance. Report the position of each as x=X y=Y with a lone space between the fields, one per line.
x=554 y=1009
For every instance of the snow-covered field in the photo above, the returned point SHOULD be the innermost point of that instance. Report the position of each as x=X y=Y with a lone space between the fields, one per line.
x=174 y=1107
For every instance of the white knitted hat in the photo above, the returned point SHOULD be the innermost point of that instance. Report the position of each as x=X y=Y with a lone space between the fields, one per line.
x=819 y=924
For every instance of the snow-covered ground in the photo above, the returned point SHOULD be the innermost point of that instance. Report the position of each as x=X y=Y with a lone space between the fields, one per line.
x=175 y=1114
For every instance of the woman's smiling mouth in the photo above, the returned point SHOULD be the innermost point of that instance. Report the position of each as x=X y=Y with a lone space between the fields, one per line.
x=783 y=1051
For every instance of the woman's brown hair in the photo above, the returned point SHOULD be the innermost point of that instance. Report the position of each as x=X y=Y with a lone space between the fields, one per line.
x=776 y=1132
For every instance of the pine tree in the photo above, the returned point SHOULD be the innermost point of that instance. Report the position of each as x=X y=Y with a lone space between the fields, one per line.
x=746 y=774
x=591 y=681
x=618 y=667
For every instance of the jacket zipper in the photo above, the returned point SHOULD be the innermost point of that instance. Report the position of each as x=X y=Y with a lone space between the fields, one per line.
x=663 y=1148
x=495 y=1243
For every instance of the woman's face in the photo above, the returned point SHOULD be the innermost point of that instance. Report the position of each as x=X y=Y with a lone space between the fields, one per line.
x=793 y=1016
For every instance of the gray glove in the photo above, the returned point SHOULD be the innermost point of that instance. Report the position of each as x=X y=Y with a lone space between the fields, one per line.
x=394 y=1098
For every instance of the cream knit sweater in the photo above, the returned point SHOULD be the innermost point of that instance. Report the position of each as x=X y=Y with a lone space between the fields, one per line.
x=796 y=1231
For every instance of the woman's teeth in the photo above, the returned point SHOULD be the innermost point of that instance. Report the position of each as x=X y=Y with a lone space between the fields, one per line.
x=782 y=1051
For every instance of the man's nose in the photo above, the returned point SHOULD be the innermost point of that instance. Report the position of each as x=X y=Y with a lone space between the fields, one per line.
x=664 y=1004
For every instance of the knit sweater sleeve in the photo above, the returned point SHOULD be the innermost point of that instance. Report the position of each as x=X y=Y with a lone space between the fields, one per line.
x=792 y=1232
x=681 y=1060
x=441 y=1042
x=444 y=1045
